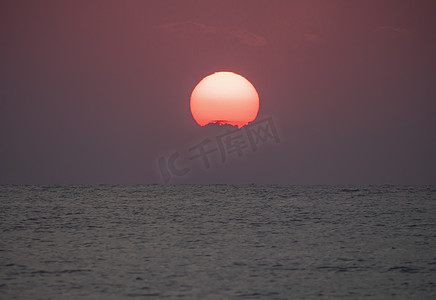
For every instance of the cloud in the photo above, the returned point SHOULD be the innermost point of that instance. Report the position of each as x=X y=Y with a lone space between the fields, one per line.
x=310 y=37
x=246 y=37
x=187 y=27
x=243 y=35
x=392 y=31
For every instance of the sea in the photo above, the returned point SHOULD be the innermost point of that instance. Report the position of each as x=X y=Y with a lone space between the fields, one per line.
x=217 y=242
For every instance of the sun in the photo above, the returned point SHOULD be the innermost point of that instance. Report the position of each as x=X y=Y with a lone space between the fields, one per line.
x=224 y=98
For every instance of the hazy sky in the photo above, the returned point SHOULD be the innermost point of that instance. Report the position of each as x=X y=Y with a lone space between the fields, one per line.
x=98 y=91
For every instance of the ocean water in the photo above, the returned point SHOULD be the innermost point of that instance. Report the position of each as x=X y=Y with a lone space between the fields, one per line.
x=217 y=242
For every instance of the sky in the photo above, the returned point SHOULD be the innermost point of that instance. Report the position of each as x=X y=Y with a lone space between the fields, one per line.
x=97 y=92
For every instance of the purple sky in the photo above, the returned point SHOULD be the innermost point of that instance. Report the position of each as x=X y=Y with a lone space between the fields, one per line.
x=97 y=91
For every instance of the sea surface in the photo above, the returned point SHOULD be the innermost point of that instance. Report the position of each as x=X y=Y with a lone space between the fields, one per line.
x=217 y=242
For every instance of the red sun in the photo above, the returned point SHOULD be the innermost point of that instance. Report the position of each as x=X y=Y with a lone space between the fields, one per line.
x=224 y=98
